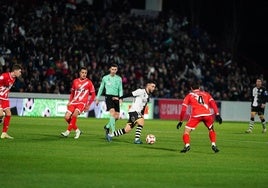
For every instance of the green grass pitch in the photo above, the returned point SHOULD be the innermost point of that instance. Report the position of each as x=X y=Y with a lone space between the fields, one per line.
x=39 y=157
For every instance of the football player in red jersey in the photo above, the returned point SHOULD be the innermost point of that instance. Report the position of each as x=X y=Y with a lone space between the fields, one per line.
x=79 y=101
x=7 y=80
x=201 y=102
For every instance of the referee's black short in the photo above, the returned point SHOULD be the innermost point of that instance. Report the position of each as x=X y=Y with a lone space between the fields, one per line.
x=110 y=103
x=258 y=109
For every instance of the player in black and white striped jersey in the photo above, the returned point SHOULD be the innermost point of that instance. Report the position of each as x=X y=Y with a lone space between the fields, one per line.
x=259 y=98
x=136 y=112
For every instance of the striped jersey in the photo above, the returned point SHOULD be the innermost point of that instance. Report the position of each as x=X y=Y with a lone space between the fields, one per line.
x=141 y=98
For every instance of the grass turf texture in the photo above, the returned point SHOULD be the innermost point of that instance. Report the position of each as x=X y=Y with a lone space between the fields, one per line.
x=39 y=157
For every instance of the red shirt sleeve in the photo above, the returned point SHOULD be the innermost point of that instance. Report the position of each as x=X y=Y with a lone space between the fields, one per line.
x=184 y=107
x=72 y=92
x=214 y=106
x=92 y=93
x=183 y=111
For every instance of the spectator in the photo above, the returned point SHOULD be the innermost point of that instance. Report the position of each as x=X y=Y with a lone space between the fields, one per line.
x=54 y=39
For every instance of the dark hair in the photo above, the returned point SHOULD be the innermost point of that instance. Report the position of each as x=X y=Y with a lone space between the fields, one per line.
x=195 y=86
x=16 y=67
x=113 y=65
x=82 y=68
x=151 y=82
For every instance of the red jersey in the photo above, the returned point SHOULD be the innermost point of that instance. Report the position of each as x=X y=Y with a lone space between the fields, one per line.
x=6 y=82
x=201 y=102
x=80 y=91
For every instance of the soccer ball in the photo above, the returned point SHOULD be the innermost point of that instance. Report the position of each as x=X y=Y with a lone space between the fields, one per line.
x=150 y=139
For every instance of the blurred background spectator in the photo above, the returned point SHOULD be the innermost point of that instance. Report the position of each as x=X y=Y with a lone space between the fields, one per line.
x=52 y=39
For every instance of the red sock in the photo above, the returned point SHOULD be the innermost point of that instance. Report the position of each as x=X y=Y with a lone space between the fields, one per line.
x=6 y=123
x=70 y=127
x=186 y=138
x=212 y=136
x=73 y=123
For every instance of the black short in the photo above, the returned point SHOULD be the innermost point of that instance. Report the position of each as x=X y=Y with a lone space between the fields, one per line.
x=110 y=103
x=259 y=110
x=133 y=117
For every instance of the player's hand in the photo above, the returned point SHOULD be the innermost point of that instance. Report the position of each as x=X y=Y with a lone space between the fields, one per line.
x=120 y=101
x=86 y=108
x=179 y=125
x=96 y=102
x=219 y=119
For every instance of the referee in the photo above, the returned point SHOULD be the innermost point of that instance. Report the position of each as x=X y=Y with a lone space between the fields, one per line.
x=112 y=84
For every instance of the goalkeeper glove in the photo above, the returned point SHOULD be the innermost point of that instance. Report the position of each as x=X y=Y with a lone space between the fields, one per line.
x=179 y=125
x=219 y=119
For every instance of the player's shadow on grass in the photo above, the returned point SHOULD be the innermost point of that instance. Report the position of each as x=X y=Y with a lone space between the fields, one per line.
x=158 y=148
x=241 y=133
x=144 y=145
x=48 y=137
x=39 y=137
x=115 y=140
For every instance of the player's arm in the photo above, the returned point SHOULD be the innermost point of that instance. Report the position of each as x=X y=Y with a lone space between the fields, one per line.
x=90 y=101
x=72 y=93
x=123 y=96
x=100 y=90
x=183 y=111
x=126 y=96
x=135 y=93
x=120 y=88
x=71 y=96
x=92 y=97
x=264 y=98
x=213 y=105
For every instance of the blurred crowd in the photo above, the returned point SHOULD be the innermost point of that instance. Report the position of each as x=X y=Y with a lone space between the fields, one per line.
x=52 y=39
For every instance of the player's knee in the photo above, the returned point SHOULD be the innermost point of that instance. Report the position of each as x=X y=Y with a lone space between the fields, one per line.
x=67 y=118
x=211 y=128
x=129 y=127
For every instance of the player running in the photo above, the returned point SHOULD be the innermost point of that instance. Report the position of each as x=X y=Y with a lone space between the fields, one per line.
x=136 y=112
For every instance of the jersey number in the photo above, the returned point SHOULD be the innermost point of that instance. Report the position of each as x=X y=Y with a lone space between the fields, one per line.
x=201 y=100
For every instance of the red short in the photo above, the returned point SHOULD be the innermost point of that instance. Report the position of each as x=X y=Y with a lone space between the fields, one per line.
x=194 y=121
x=4 y=104
x=80 y=107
